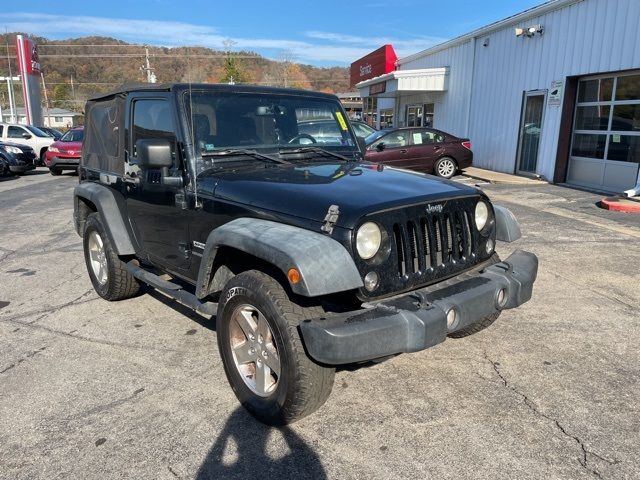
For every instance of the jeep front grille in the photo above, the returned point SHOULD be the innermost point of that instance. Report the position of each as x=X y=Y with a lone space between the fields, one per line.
x=426 y=243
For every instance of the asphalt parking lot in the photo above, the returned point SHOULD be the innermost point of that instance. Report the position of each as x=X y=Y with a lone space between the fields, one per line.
x=136 y=389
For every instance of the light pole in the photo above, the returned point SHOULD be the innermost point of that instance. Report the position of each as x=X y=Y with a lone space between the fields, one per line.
x=12 y=108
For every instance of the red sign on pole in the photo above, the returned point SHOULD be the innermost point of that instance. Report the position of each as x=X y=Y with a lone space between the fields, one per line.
x=28 y=59
x=380 y=61
x=29 y=68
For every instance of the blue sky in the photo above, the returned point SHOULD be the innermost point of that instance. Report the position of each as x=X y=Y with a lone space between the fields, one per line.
x=328 y=32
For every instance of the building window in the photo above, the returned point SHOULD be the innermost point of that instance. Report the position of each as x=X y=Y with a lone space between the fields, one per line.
x=607 y=119
x=58 y=119
x=386 y=118
x=370 y=114
x=420 y=115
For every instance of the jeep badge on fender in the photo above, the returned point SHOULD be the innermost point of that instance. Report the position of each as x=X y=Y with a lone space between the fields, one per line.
x=306 y=257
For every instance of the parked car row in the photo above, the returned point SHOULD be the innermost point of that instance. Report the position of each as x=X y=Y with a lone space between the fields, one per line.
x=23 y=147
x=424 y=150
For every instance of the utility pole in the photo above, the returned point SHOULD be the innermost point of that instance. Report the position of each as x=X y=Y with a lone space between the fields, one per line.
x=151 y=76
x=46 y=100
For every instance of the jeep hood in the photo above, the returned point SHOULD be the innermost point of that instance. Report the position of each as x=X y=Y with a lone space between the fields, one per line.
x=307 y=191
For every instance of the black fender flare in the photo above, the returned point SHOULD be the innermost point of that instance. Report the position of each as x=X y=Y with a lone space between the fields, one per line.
x=507 y=227
x=325 y=265
x=110 y=213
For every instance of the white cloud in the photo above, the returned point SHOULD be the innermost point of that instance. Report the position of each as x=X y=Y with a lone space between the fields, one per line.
x=318 y=47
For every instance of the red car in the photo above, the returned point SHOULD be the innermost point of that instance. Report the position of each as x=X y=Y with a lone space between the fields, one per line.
x=422 y=149
x=64 y=154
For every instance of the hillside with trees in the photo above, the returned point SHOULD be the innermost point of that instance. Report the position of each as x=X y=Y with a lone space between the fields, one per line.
x=75 y=69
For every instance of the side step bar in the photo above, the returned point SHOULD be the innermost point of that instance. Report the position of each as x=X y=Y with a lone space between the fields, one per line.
x=172 y=290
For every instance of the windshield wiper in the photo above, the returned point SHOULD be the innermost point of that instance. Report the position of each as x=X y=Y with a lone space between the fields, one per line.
x=230 y=152
x=314 y=150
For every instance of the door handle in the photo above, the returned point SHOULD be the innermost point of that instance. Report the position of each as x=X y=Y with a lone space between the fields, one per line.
x=403 y=150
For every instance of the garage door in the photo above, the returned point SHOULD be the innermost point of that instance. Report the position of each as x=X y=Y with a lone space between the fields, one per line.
x=605 y=143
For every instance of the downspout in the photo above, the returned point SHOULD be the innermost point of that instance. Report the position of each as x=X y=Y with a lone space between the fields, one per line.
x=473 y=70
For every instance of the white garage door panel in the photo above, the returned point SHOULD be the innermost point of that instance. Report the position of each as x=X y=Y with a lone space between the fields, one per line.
x=620 y=176
x=605 y=148
x=585 y=172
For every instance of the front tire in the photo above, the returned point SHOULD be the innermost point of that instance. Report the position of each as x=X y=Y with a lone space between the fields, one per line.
x=445 y=167
x=107 y=272
x=262 y=352
x=55 y=171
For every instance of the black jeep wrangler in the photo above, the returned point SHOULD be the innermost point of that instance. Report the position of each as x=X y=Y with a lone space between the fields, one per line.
x=307 y=256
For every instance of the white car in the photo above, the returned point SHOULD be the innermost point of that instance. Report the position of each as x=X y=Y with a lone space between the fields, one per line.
x=26 y=135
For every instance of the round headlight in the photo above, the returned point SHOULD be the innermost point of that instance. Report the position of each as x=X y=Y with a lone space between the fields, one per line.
x=482 y=215
x=368 y=240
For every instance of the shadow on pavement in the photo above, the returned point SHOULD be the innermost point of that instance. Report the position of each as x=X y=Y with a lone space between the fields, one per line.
x=244 y=441
x=206 y=322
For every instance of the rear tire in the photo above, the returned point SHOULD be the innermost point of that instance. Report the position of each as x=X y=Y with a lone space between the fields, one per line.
x=445 y=167
x=107 y=272
x=269 y=372
x=475 y=327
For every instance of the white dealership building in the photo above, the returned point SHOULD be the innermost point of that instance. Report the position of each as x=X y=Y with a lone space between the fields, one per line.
x=552 y=92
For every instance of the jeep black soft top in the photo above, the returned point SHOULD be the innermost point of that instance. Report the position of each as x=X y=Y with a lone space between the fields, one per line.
x=307 y=256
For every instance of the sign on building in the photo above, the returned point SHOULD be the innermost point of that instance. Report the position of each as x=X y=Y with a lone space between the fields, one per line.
x=380 y=61
x=555 y=93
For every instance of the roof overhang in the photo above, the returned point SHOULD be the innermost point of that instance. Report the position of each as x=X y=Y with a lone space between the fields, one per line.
x=404 y=81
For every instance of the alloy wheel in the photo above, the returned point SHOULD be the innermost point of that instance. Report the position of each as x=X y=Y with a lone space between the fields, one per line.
x=98 y=257
x=254 y=351
x=446 y=168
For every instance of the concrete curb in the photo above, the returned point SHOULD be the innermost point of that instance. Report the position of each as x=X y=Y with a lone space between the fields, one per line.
x=620 y=204
x=500 y=178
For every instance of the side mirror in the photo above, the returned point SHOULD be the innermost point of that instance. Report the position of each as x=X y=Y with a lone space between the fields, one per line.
x=154 y=153
x=381 y=146
x=26 y=136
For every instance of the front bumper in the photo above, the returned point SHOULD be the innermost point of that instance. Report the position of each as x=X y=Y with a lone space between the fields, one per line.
x=418 y=320
x=63 y=162
x=21 y=168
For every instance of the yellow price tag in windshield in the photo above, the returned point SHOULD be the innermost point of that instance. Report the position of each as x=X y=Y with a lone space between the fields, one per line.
x=343 y=124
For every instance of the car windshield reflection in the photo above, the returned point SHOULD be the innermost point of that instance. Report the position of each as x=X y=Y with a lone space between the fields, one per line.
x=266 y=122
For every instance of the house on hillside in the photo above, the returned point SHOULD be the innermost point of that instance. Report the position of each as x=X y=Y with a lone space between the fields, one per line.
x=53 y=117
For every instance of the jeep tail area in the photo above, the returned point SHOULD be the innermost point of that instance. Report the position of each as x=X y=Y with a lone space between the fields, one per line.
x=307 y=256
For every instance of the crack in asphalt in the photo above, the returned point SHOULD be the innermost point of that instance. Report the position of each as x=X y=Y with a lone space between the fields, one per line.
x=110 y=405
x=22 y=359
x=583 y=460
x=76 y=301
x=49 y=310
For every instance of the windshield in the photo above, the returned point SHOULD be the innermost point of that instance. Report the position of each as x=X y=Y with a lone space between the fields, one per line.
x=269 y=123
x=73 y=136
x=374 y=136
x=36 y=131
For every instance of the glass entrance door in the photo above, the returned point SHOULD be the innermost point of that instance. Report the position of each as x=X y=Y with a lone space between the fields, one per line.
x=530 y=129
x=414 y=115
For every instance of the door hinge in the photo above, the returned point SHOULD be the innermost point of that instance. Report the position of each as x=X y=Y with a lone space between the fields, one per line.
x=181 y=201
x=183 y=247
